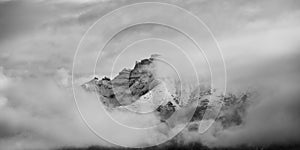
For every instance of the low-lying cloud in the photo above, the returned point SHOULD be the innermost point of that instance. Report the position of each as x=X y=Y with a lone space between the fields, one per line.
x=37 y=109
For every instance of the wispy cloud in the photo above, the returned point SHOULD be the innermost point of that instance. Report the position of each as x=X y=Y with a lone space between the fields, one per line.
x=259 y=39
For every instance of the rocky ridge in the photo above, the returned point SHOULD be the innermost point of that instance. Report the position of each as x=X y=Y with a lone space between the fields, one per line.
x=132 y=88
x=127 y=87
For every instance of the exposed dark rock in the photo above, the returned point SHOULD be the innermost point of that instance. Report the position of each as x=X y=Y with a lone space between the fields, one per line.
x=127 y=87
x=165 y=111
x=130 y=84
x=234 y=109
x=193 y=127
x=200 y=110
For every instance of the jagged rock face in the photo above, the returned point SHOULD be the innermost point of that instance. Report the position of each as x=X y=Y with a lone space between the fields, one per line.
x=141 y=90
x=200 y=110
x=133 y=88
x=166 y=111
x=234 y=109
x=141 y=78
x=128 y=86
x=104 y=87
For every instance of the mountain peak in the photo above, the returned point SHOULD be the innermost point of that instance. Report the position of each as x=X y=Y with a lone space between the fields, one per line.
x=127 y=87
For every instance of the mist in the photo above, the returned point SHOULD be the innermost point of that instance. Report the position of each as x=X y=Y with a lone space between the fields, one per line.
x=38 y=40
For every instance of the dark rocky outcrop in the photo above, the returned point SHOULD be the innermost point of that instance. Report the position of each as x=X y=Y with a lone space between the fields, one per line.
x=127 y=86
x=166 y=111
x=130 y=85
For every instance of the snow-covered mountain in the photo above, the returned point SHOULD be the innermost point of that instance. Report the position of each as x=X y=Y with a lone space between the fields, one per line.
x=141 y=90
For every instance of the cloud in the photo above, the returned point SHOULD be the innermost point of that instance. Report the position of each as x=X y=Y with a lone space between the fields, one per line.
x=38 y=113
x=273 y=113
x=259 y=39
x=274 y=120
x=4 y=80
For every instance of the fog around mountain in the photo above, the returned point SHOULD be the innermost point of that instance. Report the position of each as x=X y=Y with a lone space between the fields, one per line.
x=38 y=39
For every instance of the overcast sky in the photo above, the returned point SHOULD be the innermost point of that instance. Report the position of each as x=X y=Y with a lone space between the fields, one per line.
x=260 y=41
